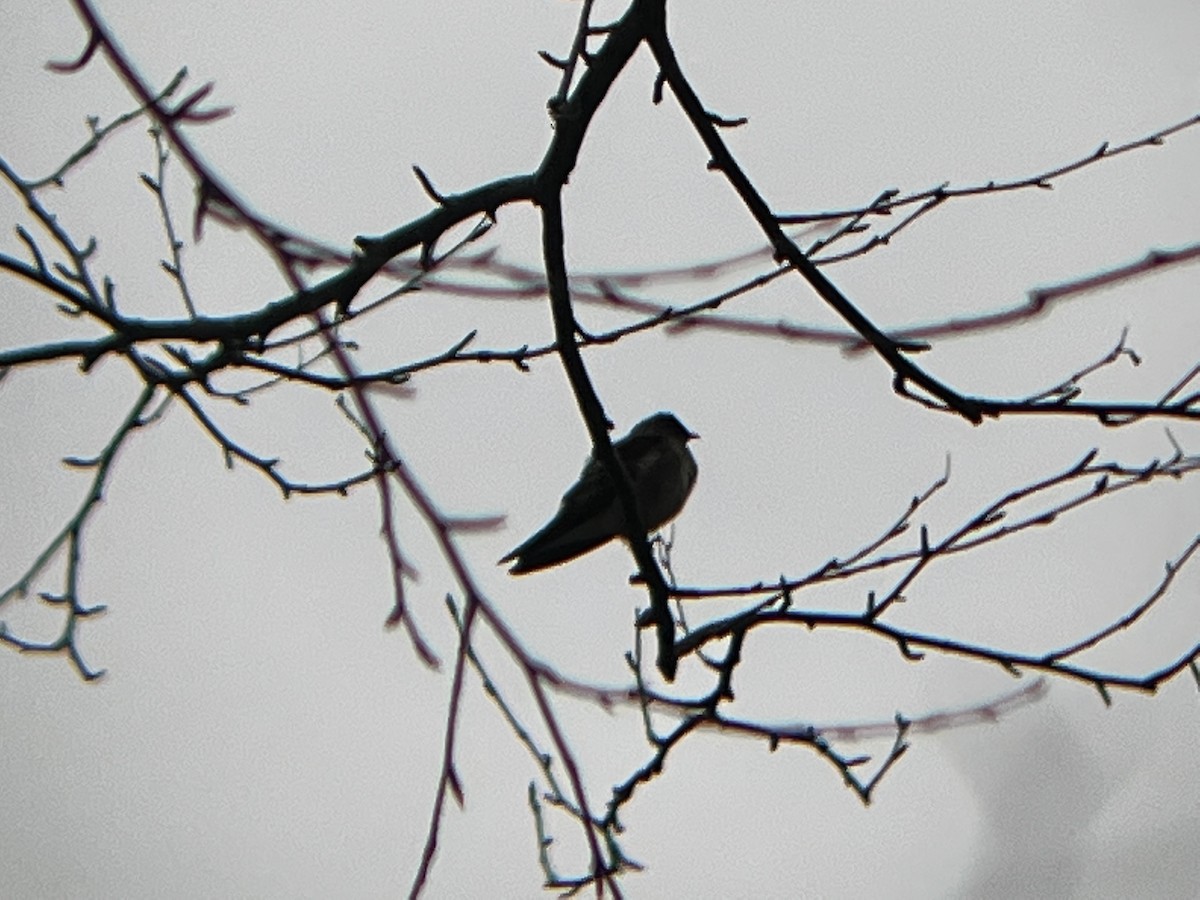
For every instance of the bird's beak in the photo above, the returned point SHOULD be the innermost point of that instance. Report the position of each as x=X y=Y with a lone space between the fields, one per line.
x=692 y=436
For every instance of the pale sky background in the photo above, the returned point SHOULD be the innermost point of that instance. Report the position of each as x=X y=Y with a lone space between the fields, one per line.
x=259 y=734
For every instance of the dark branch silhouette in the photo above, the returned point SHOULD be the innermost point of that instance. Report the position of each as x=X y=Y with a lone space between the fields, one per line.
x=302 y=340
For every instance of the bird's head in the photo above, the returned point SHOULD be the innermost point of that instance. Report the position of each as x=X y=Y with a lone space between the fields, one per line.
x=665 y=425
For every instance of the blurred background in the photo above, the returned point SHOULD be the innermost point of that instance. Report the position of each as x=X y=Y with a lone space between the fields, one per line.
x=259 y=733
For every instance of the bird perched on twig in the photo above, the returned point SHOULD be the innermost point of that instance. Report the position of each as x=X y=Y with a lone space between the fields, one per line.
x=661 y=472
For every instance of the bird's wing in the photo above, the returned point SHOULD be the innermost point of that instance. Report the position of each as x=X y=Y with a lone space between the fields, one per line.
x=648 y=460
x=642 y=455
x=586 y=518
x=590 y=493
x=589 y=514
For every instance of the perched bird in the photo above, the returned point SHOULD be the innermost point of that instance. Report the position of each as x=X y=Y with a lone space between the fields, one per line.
x=661 y=471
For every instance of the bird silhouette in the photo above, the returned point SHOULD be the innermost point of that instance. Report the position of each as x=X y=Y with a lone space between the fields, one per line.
x=661 y=472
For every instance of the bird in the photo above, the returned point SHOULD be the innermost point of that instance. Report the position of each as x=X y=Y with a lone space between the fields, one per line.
x=662 y=472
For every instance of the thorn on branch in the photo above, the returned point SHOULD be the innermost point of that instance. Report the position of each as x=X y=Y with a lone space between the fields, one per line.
x=553 y=61
x=186 y=110
x=659 y=81
x=462 y=344
x=427 y=185
x=65 y=68
x=722 y=122
x=92 y=356
x=364 y=244
x=38 y=259
x=785 y=602
x=427 y=260
x=80 y=462
x=474 y=524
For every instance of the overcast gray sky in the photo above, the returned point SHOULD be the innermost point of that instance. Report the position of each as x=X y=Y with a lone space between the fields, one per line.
x=260 y=734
